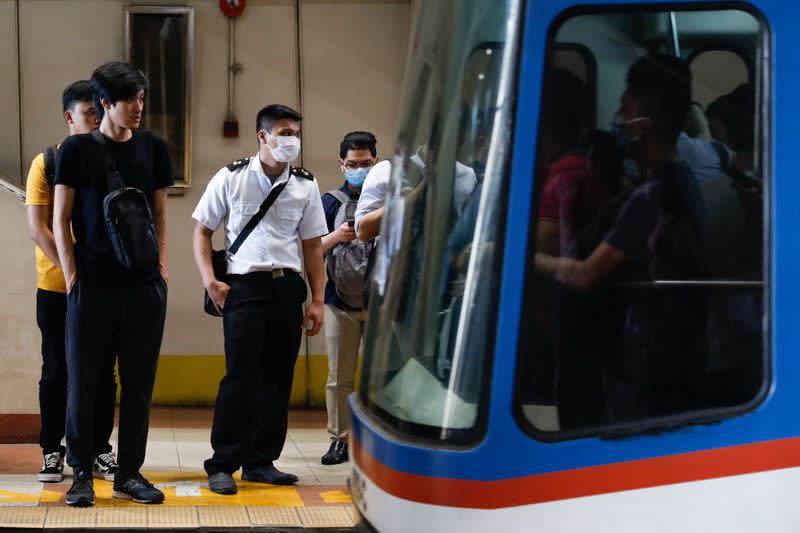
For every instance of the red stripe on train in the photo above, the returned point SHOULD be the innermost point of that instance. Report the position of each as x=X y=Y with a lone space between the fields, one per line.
x=590 y=481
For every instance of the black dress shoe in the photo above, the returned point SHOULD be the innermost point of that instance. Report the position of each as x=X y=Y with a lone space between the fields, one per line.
x=268 y=474
x=81 y=493
x=222 y=483
x=337 y=453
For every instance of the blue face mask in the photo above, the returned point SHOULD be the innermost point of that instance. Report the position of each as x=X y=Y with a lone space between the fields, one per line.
x=356 y=176
x=626 y=146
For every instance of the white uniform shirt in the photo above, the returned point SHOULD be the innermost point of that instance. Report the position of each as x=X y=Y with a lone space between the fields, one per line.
x=373 y=192
x=234 y=196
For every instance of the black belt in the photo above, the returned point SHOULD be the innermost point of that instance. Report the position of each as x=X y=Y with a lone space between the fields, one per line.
x=276 y=273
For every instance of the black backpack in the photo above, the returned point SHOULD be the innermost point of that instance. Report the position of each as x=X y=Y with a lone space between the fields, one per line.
x=128 y=218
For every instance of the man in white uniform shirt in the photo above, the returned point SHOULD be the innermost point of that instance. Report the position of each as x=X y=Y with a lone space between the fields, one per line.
x=261 y=300
x=370 y=204
x=373 y=195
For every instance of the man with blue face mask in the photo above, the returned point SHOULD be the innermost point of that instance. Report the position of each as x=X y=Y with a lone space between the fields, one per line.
x=346 y=266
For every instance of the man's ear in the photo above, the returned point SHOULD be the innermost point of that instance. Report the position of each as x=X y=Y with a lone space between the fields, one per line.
x=341 y=161
x=106 y=105
x=68 y=117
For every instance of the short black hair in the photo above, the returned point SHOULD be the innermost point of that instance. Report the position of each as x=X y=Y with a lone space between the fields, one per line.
x=662 y=84
x=271 y=114
x=75 y=93
x=115 y=81
x=568 y=107
x=358 y=140
x=737 y=111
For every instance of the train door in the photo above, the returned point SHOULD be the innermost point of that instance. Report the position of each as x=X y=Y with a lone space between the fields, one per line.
x=654 y=375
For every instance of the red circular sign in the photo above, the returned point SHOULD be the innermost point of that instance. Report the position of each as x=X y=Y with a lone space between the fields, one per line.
x=231 y=8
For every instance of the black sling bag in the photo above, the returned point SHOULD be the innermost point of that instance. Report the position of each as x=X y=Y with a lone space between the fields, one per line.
x=220 y=258
x=50 y=158
x=128 y=218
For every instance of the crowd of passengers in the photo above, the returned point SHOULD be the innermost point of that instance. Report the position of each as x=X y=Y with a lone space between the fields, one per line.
x=668 y=194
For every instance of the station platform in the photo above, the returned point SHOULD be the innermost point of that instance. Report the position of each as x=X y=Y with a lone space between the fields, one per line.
x=178 y=443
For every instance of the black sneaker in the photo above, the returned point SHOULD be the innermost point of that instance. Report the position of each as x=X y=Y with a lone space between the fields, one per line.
x=135 y=487
x=52 y=468
x=105 y=466
x=81 y=493
x=336 y=454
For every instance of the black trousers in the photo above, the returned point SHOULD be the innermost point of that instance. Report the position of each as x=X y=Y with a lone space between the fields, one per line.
x=261 y=322
x=51 y=317
x=104 y=324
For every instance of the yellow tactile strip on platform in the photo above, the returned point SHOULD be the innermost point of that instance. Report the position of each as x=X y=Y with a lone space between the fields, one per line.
x=274 y=516
x=175 y=517
x=223 y=517
x=23 y=517
x=117 y=517
x=325 y=516
x=63 y=517
x=172 y=517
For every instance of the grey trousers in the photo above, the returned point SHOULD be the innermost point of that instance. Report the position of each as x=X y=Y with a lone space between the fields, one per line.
x=343 y=333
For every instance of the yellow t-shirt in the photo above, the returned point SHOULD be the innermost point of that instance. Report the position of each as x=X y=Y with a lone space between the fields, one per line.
x=38 y=192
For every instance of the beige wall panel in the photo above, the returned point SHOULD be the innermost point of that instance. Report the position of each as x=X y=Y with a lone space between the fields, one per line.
x=9 y=95
x=265 y=44
x=354 y=54
x=61 y=42
x=353 y=59
x=20 y=356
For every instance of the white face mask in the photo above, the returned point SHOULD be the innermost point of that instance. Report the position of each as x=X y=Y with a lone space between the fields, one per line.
x=287 y=148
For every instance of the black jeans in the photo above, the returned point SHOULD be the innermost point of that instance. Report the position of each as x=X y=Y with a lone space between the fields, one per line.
x=104 y=324
x=261 y=322
x=51 y=317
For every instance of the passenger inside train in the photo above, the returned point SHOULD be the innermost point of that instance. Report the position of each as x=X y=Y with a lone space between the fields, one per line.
x=660 y=314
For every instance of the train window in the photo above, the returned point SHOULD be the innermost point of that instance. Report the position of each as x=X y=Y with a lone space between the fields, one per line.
x=579 y=61
x=429 y=335
x=647 y=264
x=717 y=72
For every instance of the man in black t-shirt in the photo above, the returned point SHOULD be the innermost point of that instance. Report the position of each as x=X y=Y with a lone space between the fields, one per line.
x=657 y=235
x=112 y=312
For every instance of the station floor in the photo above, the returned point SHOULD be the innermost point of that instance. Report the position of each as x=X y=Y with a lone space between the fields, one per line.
x=178 y=443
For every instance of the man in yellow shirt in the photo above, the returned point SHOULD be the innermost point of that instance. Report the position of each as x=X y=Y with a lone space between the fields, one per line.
x=51 y=307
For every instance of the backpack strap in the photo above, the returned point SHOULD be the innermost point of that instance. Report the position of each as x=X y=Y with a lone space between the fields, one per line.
x=50 y=154
x=113 y=179
x=340 y=195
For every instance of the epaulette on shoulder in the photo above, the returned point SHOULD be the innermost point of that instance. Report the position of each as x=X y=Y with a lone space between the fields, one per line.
x=239 y=163
x=300 y=172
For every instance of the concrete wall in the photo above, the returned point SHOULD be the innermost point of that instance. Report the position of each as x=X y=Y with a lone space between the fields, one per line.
x=352 y=55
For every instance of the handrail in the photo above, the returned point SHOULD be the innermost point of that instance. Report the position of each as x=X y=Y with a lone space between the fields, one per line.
x=685 y=283
x=9 y=187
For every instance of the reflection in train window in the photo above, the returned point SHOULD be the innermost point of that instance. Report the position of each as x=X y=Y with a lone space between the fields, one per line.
x=431 y=315
x=646 y=282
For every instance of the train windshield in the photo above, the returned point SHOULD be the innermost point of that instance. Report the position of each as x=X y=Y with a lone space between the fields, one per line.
x=434 y=287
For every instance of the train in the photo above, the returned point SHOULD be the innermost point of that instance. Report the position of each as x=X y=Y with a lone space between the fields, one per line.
x=498 y=393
